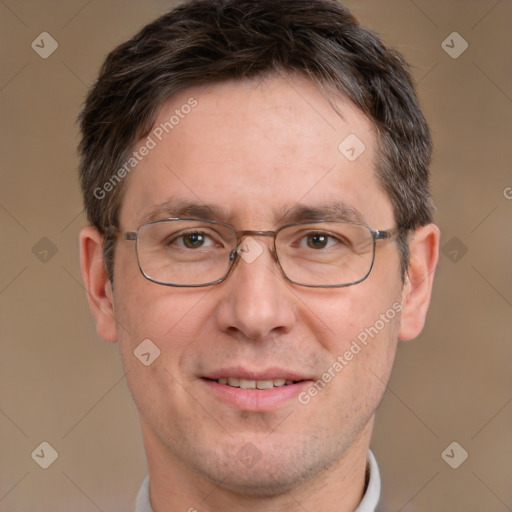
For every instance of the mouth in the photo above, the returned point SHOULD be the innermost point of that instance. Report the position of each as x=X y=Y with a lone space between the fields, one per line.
x=262 y=384
x=256 y=391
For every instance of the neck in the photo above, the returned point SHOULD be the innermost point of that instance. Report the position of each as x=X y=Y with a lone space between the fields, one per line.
x=176 y=487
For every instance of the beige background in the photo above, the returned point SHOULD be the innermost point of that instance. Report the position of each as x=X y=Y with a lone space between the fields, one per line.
x=62 y=385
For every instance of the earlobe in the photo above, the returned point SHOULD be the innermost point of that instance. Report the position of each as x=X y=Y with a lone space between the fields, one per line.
x=97 y=284
x=417 y=290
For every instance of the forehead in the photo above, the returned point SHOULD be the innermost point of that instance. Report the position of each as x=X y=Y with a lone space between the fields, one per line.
x=253 y=149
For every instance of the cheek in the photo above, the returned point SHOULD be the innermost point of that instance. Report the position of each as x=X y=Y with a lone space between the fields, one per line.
x=146 y=310
x=157 y=340
x=359 y=312
x=357 y=329
x=171 y=318
x=359 y=344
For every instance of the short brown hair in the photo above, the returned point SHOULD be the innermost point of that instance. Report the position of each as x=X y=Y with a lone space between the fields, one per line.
x=207 y=41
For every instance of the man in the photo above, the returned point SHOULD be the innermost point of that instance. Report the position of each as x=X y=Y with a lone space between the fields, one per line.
x=256 y=179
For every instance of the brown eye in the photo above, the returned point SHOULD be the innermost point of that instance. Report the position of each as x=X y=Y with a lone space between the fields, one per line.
x=317 y=241
x=193 y=240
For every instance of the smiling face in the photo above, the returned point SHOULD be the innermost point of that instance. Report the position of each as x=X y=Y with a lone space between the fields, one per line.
x=256 y=154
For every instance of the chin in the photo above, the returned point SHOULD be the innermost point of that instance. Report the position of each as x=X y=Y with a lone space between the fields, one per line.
x=279 y=470
x=262 y=482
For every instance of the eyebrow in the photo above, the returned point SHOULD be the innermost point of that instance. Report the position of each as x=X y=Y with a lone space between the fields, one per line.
x=179 y=208
x=334 y=211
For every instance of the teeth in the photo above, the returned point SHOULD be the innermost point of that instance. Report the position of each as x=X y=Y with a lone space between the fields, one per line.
x=254 y=384
x=265 y=384
x=247 y=384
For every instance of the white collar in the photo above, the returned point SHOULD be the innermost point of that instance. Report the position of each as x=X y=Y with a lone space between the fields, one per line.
x=372 y=494
x=143 y=503
x=368 y=503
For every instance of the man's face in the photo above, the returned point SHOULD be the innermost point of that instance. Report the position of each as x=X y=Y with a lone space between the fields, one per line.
x=253 y=151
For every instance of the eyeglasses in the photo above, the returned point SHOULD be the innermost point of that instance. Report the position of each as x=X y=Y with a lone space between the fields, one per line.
x=195 y=252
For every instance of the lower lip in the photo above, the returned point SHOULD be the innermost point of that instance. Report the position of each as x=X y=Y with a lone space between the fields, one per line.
x=256 y=399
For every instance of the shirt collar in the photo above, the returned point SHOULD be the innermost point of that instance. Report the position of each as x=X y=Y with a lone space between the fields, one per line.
x=372 y=494
x=368 y=503
x=143 y=503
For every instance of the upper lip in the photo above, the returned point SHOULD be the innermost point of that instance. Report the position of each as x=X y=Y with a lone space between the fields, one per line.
x=268 y=374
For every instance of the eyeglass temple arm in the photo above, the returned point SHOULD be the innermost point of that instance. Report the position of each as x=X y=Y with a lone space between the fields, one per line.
x=385 y=233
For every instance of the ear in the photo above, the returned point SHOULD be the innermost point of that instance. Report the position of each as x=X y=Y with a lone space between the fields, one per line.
x=97 y=284
x=424 y=254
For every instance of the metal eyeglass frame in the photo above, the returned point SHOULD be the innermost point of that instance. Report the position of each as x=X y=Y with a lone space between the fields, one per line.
x=377 y=234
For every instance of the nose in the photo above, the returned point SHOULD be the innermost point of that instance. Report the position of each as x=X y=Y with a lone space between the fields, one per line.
x=256 y=301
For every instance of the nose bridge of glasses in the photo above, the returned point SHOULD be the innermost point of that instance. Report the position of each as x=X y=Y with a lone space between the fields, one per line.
x=245 y=233
x=249 y=251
